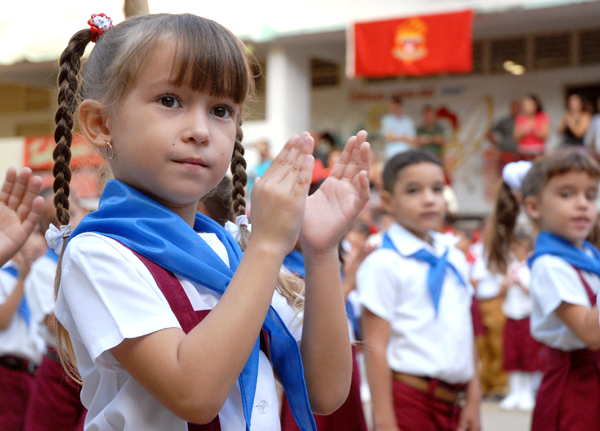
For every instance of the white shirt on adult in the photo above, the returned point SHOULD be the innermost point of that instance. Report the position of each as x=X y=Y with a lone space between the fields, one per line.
x=394 y=288
x=398 y=125
x=554 y=281
x=19 y=339
x=106 y=295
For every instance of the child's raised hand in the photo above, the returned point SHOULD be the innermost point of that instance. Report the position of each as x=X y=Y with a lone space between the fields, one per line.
x=20 y=210
x=279 y=196
x=333 y=207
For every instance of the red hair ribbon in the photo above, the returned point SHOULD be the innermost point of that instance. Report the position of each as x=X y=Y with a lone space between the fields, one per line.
x=99 y=23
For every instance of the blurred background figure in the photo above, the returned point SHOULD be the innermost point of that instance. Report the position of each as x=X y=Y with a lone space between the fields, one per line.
x=532 y=127
x=575 y=121
x=265 y=159
x=502 y=136
x=398 y=130
x=431 y=134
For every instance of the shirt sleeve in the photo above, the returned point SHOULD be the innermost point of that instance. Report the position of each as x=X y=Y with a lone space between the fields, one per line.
x=377 y=284
x=107 y=295
x=554 y=281
x=7 y=285
x=291 y=317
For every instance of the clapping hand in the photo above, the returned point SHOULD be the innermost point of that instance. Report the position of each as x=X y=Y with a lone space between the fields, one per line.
x=20 y=210
x=333 y=207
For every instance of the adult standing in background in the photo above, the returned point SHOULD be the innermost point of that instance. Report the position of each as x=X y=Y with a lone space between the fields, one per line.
x=532 y=127
x=430 y=134
x=398 y=130
x=502 y=135
x=575 y=121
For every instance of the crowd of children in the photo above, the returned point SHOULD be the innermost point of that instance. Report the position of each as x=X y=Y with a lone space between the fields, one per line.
x=166 y=309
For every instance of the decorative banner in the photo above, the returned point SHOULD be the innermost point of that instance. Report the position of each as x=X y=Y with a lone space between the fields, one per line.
x=38 y=153
x=424 y=45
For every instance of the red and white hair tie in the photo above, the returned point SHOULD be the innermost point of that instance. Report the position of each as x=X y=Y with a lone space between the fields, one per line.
x=99 y=24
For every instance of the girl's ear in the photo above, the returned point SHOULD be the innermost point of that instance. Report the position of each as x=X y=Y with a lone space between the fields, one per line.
x=94 y=123
x=386 y=201
x=532 y=207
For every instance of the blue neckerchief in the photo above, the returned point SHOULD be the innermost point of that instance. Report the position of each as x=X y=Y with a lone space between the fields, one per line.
x=24 y=310
x=160 y=235
x=437 y=269
x=51 y=254
x=548 y=243
x=295 y=263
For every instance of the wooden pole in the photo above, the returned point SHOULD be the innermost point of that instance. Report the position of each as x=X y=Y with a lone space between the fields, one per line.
x=136 y=7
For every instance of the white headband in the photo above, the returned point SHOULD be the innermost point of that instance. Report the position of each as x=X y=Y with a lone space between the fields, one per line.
x=514 y=173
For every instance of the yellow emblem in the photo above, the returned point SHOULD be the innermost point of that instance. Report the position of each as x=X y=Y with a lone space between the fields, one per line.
x=409 y=41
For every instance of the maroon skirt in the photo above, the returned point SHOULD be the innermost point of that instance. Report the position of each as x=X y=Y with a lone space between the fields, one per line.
x=478 y=327
x=569 y=396
x=521 y=351
x=54 y=403
x=349 y=417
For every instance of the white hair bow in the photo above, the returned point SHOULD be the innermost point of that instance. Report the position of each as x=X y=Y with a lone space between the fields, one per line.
x=514 y=173
x=234 y=228
x=55 y=237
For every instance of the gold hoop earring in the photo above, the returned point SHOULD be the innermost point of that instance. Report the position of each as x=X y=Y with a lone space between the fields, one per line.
x=109 y=151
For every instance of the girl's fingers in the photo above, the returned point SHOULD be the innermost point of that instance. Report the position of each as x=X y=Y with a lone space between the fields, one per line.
x=355 y=165
x=19 y=189
x=277 y=169
x=295 y=171
x=304 y=178
x=33 y=217
x=340 y=166
x=9 y=182
x=34 y=185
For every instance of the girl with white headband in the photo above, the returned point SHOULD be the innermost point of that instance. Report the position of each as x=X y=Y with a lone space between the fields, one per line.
x=559 y=194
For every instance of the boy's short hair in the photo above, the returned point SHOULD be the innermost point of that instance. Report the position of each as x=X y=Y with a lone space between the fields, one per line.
x=402 y=160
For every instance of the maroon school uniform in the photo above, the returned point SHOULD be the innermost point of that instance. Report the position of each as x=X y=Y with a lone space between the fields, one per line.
x=349 y=417
x=569 y=396
x=54 y=403
x=521 y=351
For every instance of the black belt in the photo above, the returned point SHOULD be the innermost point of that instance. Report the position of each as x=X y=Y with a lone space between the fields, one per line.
x=18 y=364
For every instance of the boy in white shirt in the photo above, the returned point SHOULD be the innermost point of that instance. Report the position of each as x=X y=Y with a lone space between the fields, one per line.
x=416 y=301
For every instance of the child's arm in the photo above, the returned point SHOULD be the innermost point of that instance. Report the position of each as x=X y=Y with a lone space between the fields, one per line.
x=12 y=303
x=583 y=322
x=20 y=210
x=470 y=418
x=376 y=333
x=325 y=347
x=192 y=375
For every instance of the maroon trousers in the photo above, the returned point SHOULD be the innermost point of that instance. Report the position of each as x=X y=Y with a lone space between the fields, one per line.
x=54 y=403
x=349 y=417
x=15 y=387
x=420 y=411
x=569 y=396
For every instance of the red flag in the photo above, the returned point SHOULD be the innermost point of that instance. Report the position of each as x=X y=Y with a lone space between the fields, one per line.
x=414 y=46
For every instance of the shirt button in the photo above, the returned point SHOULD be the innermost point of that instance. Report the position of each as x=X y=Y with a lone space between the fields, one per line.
x=262 y=407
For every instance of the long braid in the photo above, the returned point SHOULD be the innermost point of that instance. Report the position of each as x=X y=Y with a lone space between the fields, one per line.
x=70 y=64
x=289 y=285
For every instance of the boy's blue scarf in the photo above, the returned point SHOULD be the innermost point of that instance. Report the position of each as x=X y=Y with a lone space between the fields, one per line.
x=160 y=235
x=437 y=270
x=548 y=243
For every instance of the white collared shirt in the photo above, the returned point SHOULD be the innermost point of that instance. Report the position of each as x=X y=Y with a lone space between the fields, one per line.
x=39 y=288
x=517 y=304
x=554 y=281
x=394 y=288
x=19 y=339
x=106 y=295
